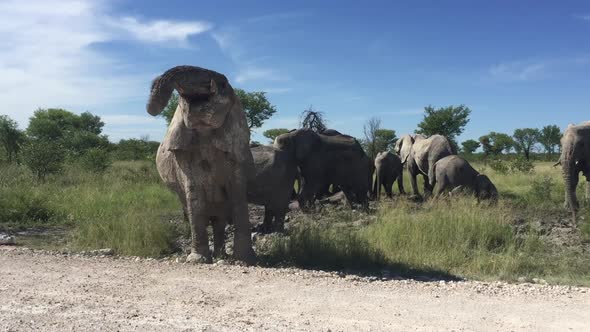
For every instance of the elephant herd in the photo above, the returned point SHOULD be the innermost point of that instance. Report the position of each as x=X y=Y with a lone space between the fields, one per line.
x=206 y=159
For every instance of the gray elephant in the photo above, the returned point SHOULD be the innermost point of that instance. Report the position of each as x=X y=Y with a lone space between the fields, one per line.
x=388 y=169
x=339 y=160
x=272 y=187
x=419 y=154
x=575 y=158
x=453 y=173
x=205 y=158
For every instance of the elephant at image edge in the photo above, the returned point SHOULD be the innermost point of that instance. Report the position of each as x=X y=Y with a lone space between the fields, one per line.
x=453 y=173
x=388 y=169
x=205 y=157
x=272 y=186
x=419 y=154
x=339 y=160
x=575 y=158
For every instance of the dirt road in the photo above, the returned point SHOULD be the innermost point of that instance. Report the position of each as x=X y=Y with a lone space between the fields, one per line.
x=44 y=292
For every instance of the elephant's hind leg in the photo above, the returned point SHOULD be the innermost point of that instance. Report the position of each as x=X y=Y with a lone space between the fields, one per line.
x=219 y=237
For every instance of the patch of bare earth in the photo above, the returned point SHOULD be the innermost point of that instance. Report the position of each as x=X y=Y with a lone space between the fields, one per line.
x=51 y=292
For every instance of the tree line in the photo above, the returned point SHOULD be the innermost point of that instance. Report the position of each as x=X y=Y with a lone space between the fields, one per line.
x=56 y=136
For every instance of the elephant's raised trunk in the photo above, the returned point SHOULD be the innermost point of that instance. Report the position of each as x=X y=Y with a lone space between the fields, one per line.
x=189 y=80
x=568 y=165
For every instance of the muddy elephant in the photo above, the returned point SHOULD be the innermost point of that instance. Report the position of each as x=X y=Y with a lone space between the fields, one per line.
x=419 y=154
x=454 y=173
x=272 y=186
x=575 y=158
x=339 y=160
x=388 y=169
x=205 y=157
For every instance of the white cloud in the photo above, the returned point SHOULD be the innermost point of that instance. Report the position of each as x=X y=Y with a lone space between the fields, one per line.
x=253 y=73
x=160 y=30
x=585 y=17
x=276 y=90
x=48 y=57
x=517 y=71
x=126 y=119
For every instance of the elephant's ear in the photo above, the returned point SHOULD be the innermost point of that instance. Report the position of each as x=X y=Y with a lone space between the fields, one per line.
x=178 y=137
x=233 y=136
x=406 y=148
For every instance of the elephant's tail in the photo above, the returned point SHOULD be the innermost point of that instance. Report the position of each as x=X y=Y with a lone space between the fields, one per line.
x=431 y=172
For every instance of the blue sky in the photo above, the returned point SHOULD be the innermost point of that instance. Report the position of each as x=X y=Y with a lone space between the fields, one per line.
x=514 y=63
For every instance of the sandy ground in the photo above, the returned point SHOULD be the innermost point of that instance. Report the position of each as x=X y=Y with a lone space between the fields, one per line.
x=53 y=292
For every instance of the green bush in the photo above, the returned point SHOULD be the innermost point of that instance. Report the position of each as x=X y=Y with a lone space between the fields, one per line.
x=96 y=160
x=26 y=207
x=499 y=166
x=44 y=157
x=541 y=189
x=521 y=165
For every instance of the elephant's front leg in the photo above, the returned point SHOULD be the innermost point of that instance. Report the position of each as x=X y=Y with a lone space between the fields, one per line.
x=587 y=190
x=243 y=234
x=219 y=237
x=200 y=252
x=427 y=187
x=400 y=184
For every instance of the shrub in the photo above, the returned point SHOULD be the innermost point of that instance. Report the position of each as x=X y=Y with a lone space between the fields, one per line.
x=43 y=157
x=542 y=188
x=499 y=166
x=96 y=160
x=25 y=207
x=521 y=165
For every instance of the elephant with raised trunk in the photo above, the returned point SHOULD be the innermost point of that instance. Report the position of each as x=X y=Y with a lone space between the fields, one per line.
x=453 y=173
x=339 y=160
x=575 y=158
x=419 y=154
x=205 y=157
x=388 y=169
x=272 y=187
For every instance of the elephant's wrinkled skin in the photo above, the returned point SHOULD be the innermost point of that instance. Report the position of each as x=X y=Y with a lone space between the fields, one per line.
x=272 y=187
x=453 y=173
x=575 y=158
x=419 y=154
x=205 y=157
x=339 y=160
x=388 y=169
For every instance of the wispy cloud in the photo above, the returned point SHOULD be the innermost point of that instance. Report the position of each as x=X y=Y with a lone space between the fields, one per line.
x=277 y=90
x=126 y=119
x=160 y=30
x=49 y=58
x=529 y=70
x=518 y=71
x=417 y=111
x=585 y=17
x=249 y=68
x=279 y=17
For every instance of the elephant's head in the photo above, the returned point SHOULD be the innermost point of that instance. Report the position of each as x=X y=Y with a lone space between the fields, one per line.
x=301 y=143
x=403 y=146
x=484 y=188
x=206 y=97
x=572 y=154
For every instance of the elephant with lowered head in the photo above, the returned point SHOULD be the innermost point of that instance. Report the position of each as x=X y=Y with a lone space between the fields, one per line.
x=205 y=157
x=339 y=160
x=453 y=173
x=419 y=154
x=272 y=186
x=575 y=158
x=388 y=169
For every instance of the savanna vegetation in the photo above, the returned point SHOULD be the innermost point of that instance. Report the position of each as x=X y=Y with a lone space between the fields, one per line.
x=61 y=172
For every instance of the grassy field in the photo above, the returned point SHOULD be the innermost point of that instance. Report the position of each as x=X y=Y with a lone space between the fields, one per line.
x=526 y=235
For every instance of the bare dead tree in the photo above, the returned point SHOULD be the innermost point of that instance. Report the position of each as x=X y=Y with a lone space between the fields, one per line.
x=370 y=129
x=312 y=119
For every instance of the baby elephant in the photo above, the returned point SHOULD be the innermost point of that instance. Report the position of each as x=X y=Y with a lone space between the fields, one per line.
x=388 y=169
x=453 y=173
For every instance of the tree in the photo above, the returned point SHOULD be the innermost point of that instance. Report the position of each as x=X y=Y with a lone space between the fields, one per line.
x=135 y=149
x=11 y=137
x=525 y=139
x=257 y=107
x=313 y=120
x=549 y=138
x=44 y=157
x=370 y=129
x=168 y=112
x=385 y=139
x=271 y=134
x=470 y=145
x=75 y=133
x=494 y=143
x=447 y=121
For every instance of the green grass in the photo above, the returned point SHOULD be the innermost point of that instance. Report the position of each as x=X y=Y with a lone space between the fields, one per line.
x=128 y=209
x=123 y=209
